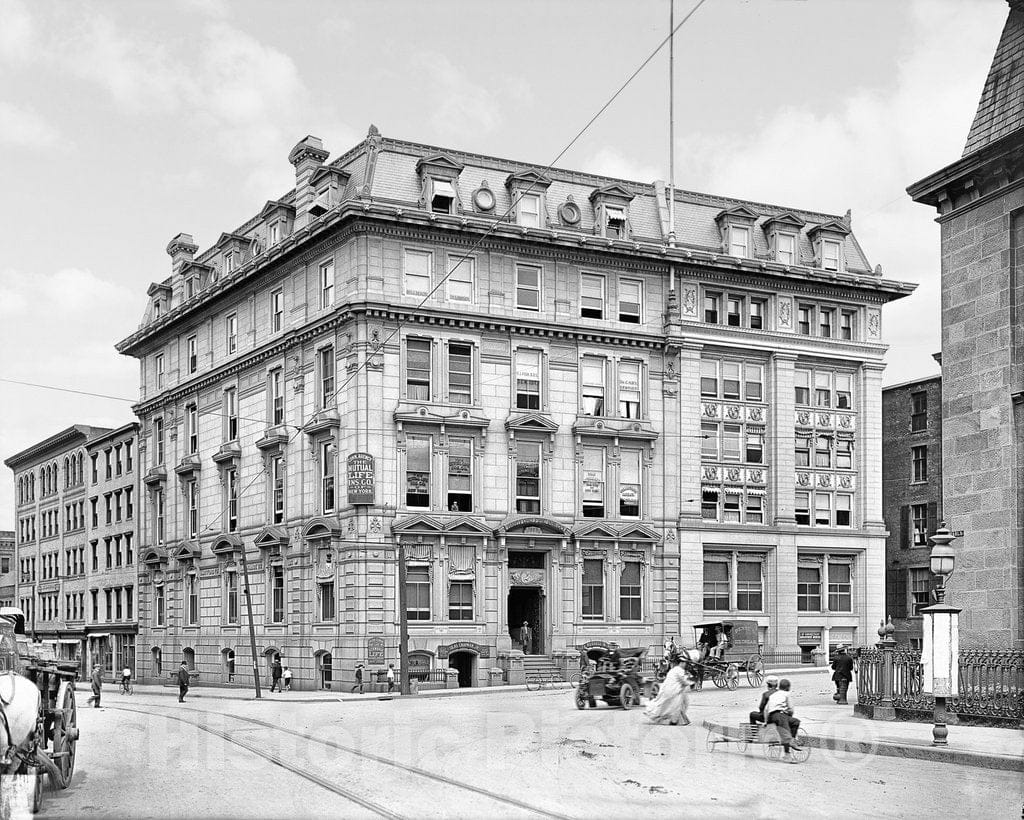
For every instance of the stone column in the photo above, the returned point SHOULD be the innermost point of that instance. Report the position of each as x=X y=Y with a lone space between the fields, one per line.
x=690 y=547
x=869 y=446
x=781 y=439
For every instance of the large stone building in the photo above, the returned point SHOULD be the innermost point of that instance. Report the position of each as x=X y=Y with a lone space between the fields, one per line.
x=562 y=415
x=51 y=507
x=980 y=201
x=912 y=498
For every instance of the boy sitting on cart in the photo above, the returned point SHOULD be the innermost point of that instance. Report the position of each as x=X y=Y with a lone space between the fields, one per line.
x=772 y=683
x=779 y=710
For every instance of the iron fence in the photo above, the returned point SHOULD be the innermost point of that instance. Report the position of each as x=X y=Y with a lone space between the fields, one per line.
x=428 y=675
x=991 y=683
x=777 y=657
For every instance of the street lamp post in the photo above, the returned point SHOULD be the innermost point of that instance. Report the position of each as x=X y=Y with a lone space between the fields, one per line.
x=941 y=648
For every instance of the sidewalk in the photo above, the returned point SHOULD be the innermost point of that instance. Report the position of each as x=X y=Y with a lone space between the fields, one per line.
x=835 y=728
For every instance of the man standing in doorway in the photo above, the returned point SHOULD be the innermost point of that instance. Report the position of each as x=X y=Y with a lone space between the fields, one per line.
x=182 y=681
x=526 y=638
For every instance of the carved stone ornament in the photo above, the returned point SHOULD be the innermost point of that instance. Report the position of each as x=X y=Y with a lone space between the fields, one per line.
x=825 y=420
x=785 y=313
x=824 y=480
x=846 y=482
x=690 y=301
x=710 y=410
x=874 y=323
x=483 y=198
x=670 y=535
x=732 y=475
x=375 y=526
x=709 y=473
x=803 y=418
x=569 y=212
x=732 y=411
x=755 y=476
x=803 y=479
x=846 y=422
x=755 y=414
x=526 y=577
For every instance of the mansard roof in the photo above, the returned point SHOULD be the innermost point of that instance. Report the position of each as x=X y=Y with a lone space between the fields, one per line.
x=1001 y=107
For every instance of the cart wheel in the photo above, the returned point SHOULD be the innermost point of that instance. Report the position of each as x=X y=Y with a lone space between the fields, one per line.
x=711 y=741
x=627 y=697
x=731 y=677
x=800 y=749
x=718 y=677
x=773 y=751
x=580 y=698
x=574 y=679
x=755 y=670
x=65 y=732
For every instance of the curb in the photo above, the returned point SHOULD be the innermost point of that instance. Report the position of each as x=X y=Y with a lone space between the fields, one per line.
x=885 y=748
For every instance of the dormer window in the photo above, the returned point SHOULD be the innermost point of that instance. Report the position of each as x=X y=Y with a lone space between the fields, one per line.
x=157 y=308
x=229 y=263
x=615 y=223
x=739 y=241
x=785 y=248
x=529 y=210
x=830 y=254
x=442 y=196
x=273 y=234
x=190 y=287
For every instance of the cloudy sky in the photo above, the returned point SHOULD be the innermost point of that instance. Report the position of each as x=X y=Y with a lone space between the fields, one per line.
x=123 y=123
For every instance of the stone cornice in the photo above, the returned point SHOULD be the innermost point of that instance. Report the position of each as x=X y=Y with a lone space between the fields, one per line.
x=1007 y=152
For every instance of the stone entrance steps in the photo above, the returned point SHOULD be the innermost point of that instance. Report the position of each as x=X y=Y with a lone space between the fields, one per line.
x=541 y=669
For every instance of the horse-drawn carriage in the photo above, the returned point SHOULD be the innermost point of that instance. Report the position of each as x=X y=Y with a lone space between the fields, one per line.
x=616 y=678
x=724 y=649
x=38 y=715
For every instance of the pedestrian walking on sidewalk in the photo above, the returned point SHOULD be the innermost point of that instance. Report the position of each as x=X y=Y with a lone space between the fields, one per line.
x=842 y=674
x=96 y=679
x=359 y=679
x=391 y=678
x=183 y=680
x=286 y=675
x=275 y=675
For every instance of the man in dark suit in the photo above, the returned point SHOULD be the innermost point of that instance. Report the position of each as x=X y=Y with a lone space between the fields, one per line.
x=842 y=674
x=183 y=680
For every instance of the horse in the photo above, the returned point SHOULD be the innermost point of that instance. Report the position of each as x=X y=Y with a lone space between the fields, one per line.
x=19 y=711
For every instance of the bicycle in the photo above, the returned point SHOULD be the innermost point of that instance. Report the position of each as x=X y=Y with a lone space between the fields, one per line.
x=126 y=687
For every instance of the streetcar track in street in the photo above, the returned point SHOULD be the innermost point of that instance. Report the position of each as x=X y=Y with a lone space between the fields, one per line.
x=229 y=735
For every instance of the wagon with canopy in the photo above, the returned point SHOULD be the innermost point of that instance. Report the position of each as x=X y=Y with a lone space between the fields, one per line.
x=723 y=650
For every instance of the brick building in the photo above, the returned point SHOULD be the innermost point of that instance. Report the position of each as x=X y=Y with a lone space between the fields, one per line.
x=562 y=416
x=51 y=506
x=8 y=569
x=980 y=202
x=912 y=498
x=111 y=568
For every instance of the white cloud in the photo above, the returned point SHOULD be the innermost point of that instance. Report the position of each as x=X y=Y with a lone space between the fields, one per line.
x=26 y=129
x=17 y=31
x=611 y=162
x=861 y=154
x=462 y=109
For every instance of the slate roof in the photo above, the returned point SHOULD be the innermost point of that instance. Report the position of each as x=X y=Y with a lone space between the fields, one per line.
x=1001 y=108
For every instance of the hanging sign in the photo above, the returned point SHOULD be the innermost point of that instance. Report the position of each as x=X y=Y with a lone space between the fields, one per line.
x=361 y=476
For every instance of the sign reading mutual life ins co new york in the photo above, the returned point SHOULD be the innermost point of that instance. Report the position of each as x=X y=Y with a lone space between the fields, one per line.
x=360 y=478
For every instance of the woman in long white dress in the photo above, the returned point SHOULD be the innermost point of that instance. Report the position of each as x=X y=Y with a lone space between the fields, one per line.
x=673 y=698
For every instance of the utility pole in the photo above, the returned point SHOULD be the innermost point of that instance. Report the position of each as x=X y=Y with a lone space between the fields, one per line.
x=252 y=628
x=403 y=623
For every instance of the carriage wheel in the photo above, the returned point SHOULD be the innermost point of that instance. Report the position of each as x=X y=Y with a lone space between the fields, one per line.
x=711 y=741
x=801 y=749
x=718 y=677
x=731 y=677
x=773 y=750
x=755 y=670
x=65 y=732
x=581 y=698
x=627 y=697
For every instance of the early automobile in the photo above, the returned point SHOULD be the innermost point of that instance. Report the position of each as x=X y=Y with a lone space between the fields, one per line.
x=616 y=679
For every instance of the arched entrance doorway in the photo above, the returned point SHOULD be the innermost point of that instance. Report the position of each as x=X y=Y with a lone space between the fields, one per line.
x=465 y=663
x=229 y=664
x=325 y=669
x=158 y=666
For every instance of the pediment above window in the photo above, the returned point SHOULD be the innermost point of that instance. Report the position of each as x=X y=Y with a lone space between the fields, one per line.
x=464 y=525
x=531 y=423
x=638 y=532
x=413 y=414
x=272 y=537
x=155 y=476
x=418 y=525
x=613 y=428
x=226 y=543
x=186 y=551
x=739 y=215
x=323 y=421
x=276 y=208
x=595 y=531
x=439 y=164
x=439 y=184
x=612 y=194
x=189 y=465
x=833 y=228
x=274 y=438
x=527 y=180
x=787 y=222
x=154 y=556
x=161 y=289
x=329 y=185
x=323 y=526
x=228 y=454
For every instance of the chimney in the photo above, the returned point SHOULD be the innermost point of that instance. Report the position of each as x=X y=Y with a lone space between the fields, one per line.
x=306 y=156
x=181 y=249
